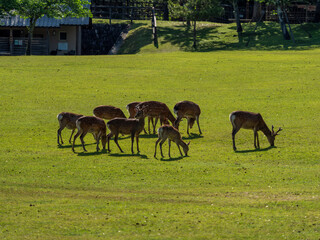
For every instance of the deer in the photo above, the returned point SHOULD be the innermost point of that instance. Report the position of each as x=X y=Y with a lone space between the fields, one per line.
x=172 y=134
x=189 y=110
x=132 y=127
x=108 y=112
x=67 y=120
x=94 y=125
x=254 y=121
x=131 y=108
x=157 y=110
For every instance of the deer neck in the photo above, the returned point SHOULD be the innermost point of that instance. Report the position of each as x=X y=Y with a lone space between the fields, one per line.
x=266 y=130
x=171 y=118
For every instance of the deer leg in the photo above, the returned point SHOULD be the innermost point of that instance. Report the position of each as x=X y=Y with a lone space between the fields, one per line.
x=109 y=136
x=179 y=149
x=116 y=141
x=255 y=135
x=75 y=137
x=258 y=140
x=82 y=142
x=234 y=131
x=71 y=136
x=59 y=135
x=98 y=136
x=137 y=140
x=155 y=152
x=154 y=125
x=197 y=118
x=169 y=147
x=132 y=141
x=162 y=141
x=188 y=124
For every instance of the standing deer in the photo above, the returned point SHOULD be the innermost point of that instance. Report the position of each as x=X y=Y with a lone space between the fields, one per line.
x=172 y=134
x=189 y=110
x=125 y=126
x=254 y=121
x=108 y=112
x=68 y=120
x=157 y=110
x=94 y=125
x=131 y=107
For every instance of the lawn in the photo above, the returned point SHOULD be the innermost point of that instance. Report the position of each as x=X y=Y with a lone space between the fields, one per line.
x=49 y=192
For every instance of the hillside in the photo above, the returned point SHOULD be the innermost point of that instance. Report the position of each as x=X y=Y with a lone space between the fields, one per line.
x=175 y=36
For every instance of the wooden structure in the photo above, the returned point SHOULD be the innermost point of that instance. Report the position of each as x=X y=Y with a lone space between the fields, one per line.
x=129 y=9
x=51 y=36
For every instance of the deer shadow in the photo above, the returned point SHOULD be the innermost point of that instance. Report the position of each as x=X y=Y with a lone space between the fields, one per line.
x=192 y=136
x=172 y=159
x=255 y=150
x=76 y=145
x=86 y=154
x=128 y=155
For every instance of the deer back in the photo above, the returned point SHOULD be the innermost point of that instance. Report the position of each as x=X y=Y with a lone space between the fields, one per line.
x=187 y=109
x=91 y=124
x=247 y=120
x=125 y=126
x=68 y=119
x=156 y=109
x=108 y=112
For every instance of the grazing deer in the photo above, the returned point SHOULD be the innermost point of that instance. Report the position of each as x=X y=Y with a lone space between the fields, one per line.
x=172 y=134
x=131 y=107
x=68 y=120
x=189 y=110
x=254 y=121
x=94 y=125
x=125 y=126
x=108 y=112
x=157 y=110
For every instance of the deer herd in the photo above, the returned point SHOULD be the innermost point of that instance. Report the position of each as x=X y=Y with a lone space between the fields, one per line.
x=155 y=111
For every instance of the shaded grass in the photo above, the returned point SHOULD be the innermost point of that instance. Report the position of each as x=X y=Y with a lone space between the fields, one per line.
x=49 y=192
x=176 y=36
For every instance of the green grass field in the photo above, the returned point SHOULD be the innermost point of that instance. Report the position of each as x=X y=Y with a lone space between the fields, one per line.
x=48 y=192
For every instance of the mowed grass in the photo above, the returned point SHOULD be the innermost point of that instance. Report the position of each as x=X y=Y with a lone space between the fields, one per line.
x=49 y=192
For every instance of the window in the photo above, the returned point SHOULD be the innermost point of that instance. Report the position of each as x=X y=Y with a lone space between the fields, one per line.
x=63 y=36
x=63 y=46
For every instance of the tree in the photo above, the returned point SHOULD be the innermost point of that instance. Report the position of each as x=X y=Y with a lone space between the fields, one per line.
x=35 y=9
x=6 y=6
x=195 y=10
x=236 y=14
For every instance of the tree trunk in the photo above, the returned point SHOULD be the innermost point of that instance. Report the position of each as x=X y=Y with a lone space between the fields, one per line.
x=283 y=26
x=236 y=15
x=165 y=11
x=194 y=34
x=316 y=18
x=256 y=15
x=30 y=34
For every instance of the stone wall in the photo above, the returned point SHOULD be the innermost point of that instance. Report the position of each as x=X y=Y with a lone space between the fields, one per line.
x=99 y=39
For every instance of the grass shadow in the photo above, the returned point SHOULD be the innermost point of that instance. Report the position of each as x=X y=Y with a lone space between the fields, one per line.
x=255 y=150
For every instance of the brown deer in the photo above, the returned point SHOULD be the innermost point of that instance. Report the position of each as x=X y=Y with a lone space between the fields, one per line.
x=131 y=107
x=157 y=110
x=189 y=110
x=125 y=126
x=254 y=121
x=94 y=125
x=108 y=112
x=67 y=120
x=172 y=134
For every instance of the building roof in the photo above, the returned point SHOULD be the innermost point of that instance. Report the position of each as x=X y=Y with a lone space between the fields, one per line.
x=17 y=21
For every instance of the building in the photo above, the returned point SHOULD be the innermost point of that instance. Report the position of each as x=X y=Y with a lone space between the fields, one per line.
x=50 y=37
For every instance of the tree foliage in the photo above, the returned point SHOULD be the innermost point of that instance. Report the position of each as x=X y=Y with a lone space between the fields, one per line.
x=195 y=10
